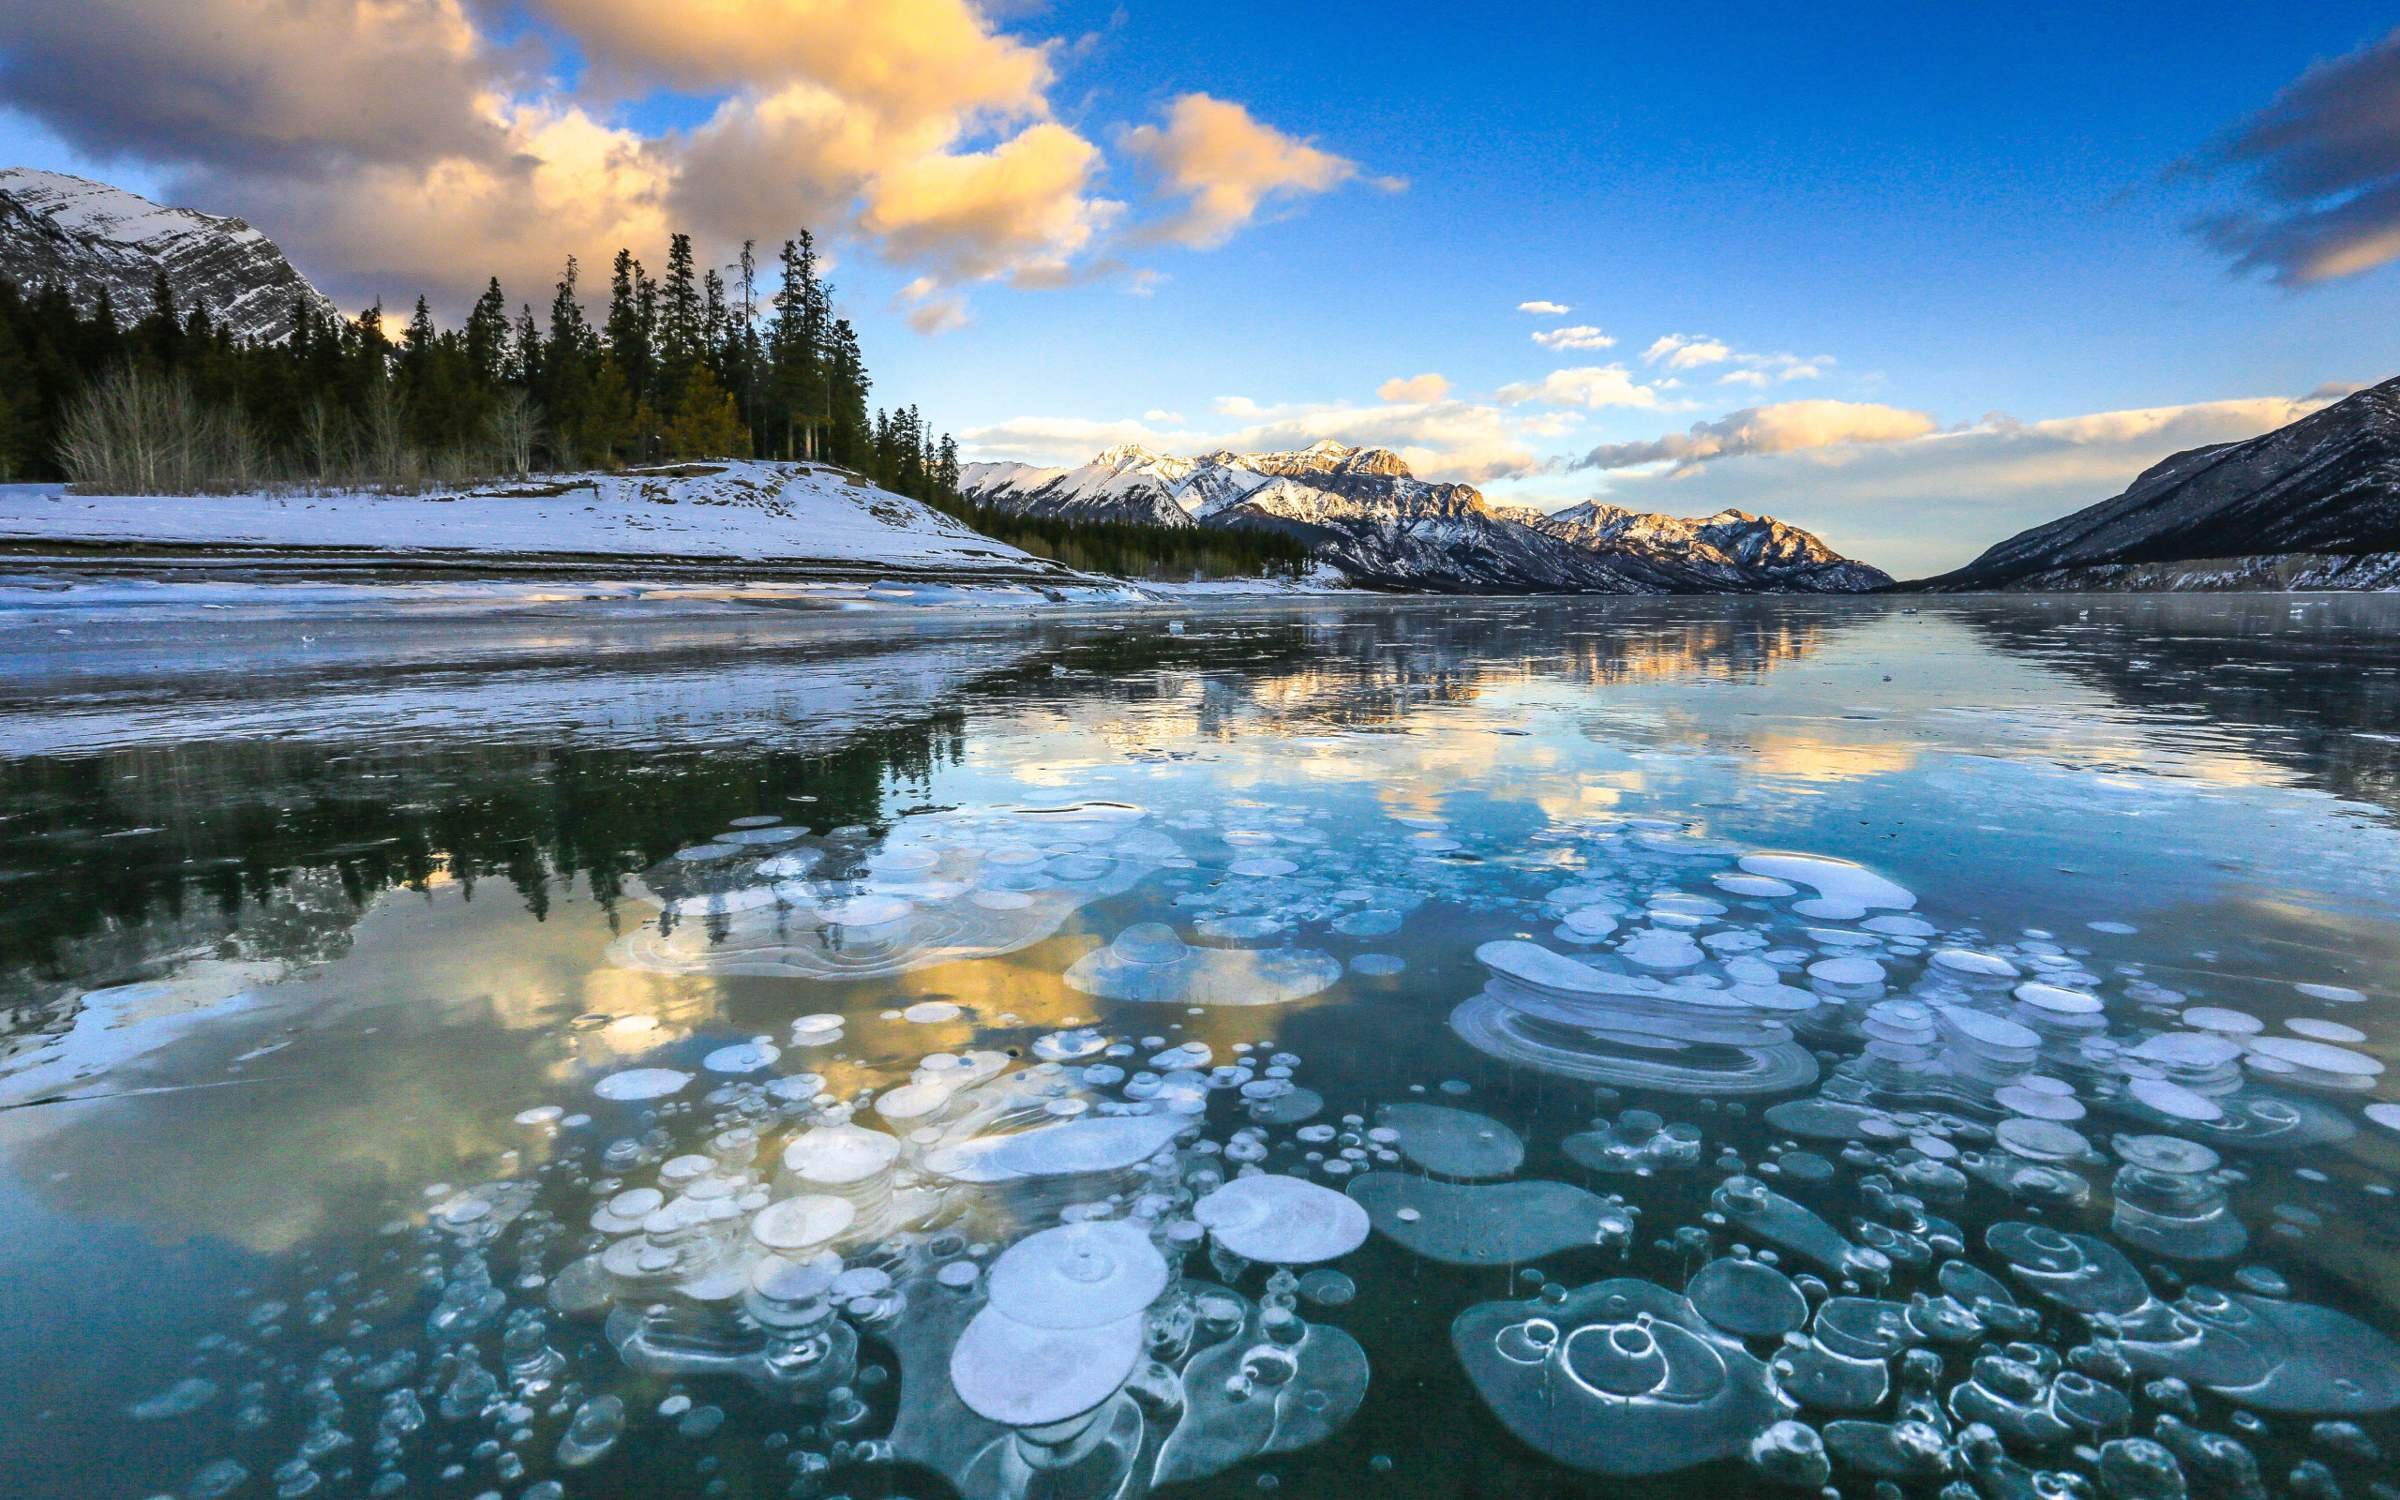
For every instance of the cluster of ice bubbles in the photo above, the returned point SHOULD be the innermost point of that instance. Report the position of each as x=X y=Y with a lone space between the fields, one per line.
x=1955 y=1071
x=1039 y=1275
x=939 y=887
x=1078 y=1272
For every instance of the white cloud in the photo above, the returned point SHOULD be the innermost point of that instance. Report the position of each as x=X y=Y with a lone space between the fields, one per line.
x=398 y=145
x=930 y=309
x=1783 y=428
x=1225 y=165
x=1922 y=505
x=1585 y=385
x=1698 y=351
x=1545 y=309
x=1576 y=336
x=1425 y=387
x=1686 y=351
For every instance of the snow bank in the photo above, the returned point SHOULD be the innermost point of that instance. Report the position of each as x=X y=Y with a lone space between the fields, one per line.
x=767 y=515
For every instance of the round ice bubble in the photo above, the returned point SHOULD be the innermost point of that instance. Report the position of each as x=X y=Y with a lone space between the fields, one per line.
x=1022 y=1376
x=742 y=1057
x=1258 y=866
x=2057 y=1000
x=839 y=1155
x=1847 y=972
x=802 y=1223
x=1486 y=1224
x=2319 y=1058
x=1745 y=1297
x=1620 y=1377
x=1078 y=1275
x=2317 y=1030
x=1969 y=964
x=1282 y=1220
x=1453 y=1142
x=2173 y=1100
x=1659 y=948
x=642 y=1083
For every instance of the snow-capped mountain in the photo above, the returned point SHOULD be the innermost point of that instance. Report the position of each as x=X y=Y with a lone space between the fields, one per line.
x=1731 y=550
x=2294 y=503
x=1361 y=510
x=86 y=236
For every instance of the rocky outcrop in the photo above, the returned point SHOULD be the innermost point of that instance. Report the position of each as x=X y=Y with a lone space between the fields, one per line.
x=1362 y=511
x=2277 y=507
x=89 y=237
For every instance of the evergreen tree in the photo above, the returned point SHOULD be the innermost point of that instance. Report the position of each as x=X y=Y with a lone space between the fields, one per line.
x=487 y=337
x=705 y=424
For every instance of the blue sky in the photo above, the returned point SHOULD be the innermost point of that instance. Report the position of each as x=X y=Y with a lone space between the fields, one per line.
x=1969 y=230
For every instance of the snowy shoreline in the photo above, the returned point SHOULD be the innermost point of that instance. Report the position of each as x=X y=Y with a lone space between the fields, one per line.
x=735 y=533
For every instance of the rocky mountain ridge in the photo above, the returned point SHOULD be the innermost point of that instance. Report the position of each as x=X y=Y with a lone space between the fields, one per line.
x=88 y=237
x=2280 y=506
x=1364 y=512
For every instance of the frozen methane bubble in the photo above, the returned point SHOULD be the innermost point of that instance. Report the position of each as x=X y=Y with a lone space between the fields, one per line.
x=1078 y=1275
x=2319 y=1030
x=944 y=887
x=2318 y=1065
x=802 y=1223
x=1282 y=1220
x=1546 y=1011
x=2167 y=1202
x=1486 y=1224
x=1747 y=1297
x=1020 y=1375
x=2076 y=1271
x=1620 y=1377
x=1966 y=963
x=742 y=1057
x=641 y=1083
x=1845 y=892
x=2268 y=1354
x=1453 y=1142
x=1150 y=962
x=1103 y=1143
x=1762 y=1211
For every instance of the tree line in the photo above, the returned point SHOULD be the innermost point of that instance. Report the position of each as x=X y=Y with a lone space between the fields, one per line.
x=685 y=365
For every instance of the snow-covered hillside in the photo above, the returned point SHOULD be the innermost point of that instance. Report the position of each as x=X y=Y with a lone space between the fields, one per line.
x=2324 y=487
x=1362 y=511
x=88 y=236
x=791 y=519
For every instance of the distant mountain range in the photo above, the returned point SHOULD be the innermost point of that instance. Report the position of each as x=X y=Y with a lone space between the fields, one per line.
x=86 y=236
x=1362 y=511
x=2312 y=505
x=2315 y=504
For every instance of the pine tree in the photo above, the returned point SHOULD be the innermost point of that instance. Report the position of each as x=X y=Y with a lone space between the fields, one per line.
x=487 y=337
x=705 y=424
x=793 y=351
x=680 y=320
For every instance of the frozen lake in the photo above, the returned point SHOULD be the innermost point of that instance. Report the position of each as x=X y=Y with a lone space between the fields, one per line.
x=555 y=1047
